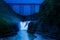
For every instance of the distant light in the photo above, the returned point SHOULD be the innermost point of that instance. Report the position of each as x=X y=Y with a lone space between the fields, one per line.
x=24 y=25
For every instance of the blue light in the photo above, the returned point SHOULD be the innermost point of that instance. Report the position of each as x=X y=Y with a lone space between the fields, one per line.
x=26 y=7
x=24 y=1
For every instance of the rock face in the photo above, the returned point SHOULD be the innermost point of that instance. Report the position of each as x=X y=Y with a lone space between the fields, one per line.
x=7 y=26
x=32 y=27
x=50 y=18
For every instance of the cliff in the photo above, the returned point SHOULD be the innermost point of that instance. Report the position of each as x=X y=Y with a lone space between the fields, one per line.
x=7 y=15
x=50 y=18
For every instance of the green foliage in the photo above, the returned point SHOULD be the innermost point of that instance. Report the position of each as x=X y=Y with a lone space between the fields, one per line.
x=4 y=25
x=49 y=11
x=50 y=18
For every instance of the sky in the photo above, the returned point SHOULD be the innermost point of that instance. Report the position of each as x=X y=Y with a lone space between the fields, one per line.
x=27 y=8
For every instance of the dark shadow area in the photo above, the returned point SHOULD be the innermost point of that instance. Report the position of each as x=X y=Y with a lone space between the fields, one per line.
x=32 y=27
x=7 y=26
x=48 y=20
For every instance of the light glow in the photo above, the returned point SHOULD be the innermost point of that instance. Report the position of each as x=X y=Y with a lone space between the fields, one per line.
x=24 y=25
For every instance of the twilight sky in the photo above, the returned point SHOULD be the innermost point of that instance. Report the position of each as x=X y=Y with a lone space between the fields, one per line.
x=27 y=8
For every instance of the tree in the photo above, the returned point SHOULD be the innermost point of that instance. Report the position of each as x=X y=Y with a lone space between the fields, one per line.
x=50 y=18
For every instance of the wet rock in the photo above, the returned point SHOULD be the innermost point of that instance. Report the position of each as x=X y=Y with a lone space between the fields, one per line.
x=32 y=27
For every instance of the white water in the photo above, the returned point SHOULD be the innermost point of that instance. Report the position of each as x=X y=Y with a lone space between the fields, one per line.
x=24 y=25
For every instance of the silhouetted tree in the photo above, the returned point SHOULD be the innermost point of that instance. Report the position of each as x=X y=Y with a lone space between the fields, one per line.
x=50 y=18
x=7 y=26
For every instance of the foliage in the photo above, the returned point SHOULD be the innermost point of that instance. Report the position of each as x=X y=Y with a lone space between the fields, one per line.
x=50 y=18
